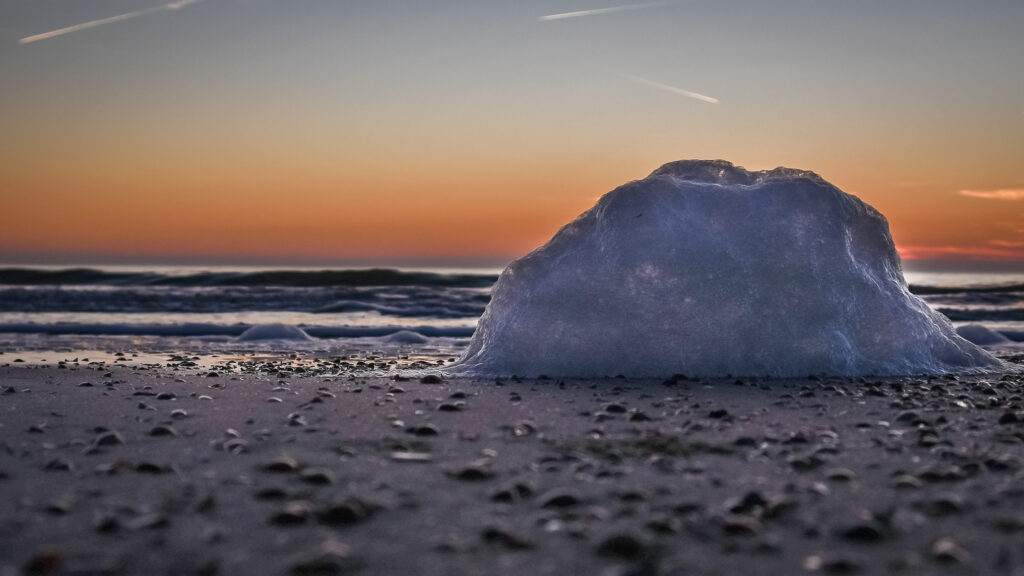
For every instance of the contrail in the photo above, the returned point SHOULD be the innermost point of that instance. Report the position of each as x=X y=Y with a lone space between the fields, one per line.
x=667 y=88
x=177 y=5
x=596 y=11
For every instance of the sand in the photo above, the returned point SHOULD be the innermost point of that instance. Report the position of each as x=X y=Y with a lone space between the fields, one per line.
x=118 y=469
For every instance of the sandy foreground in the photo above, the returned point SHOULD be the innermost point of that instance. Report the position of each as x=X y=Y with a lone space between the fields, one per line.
x=283 y=470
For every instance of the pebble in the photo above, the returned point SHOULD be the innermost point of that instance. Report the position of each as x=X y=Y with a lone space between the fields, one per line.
x=292 y=514
x=178 y=414
x=942 y=505
x=166 y=396
x=831 y=564
x=431 y=379
x=108 y=438
x=778 y=506
x=59 y=464
x=663 y=524
x=147 y=521
x=281 y=465
x=235 y=446
x=943 y=473
x=333 y=558
x=615 y=408
x=560 y=498
x=862 y=533
x=1010 y=417
x=406 y=456
x=424 y=430
x=513 y=492
x=150 y=468
x=349 y=510
x=524 y=428
x=1008 y=524
x=626 y=545
x=949 y=551
x=841 y=475
x=805 y=463
x=473 y=472
x=318 y=476
x=163 y=430
x=908 y=417
x=740 y=525
x=61 y=505
x=750 y=503
x=506 y=537
x=105 y=523
x=907 y=482
x=271 y=493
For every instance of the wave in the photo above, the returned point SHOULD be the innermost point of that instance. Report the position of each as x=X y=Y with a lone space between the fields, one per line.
x=353 y=277
x=394 y=301
x=435 y=311
x=229 y=330
x=983 y=314
x=284 y=278
x=924 y=290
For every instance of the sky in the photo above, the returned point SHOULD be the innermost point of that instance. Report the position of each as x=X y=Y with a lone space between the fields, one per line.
x=467 y=132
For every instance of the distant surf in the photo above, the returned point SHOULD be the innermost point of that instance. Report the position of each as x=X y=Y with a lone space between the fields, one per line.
x=290 y=278
x=417 y=309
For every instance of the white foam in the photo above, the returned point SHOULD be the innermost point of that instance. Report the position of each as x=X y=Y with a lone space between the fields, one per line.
x=273 y=332
x=406 y=337
x=981 y=335
x=707 y=269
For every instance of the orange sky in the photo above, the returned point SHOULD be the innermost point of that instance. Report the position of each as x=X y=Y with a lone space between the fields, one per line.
x=364 y=134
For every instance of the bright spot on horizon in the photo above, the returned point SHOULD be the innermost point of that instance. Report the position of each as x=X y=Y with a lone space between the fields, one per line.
x=668 y=88
x=176 y=5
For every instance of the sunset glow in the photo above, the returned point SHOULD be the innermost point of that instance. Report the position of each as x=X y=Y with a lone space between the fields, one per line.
x=270 y=132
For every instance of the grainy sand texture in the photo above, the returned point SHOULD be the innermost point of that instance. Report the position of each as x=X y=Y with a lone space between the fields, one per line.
x=291 y=467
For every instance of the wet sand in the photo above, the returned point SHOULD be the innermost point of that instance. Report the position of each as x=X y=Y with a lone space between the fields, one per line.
x=119 y=469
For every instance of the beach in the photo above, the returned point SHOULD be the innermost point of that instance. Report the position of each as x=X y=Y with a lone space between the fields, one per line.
x=637 y=288
x=302 y=465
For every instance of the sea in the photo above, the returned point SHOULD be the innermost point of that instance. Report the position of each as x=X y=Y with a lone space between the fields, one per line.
x=52 y=314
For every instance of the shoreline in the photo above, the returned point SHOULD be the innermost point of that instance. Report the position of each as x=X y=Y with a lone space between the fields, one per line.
x=157 y=470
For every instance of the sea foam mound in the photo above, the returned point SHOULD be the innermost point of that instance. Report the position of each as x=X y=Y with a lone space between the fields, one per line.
x=707 y=269
x=981 y=335
x=263 y=332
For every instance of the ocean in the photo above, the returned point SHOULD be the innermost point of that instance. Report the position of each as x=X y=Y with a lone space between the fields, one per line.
x=49 y=313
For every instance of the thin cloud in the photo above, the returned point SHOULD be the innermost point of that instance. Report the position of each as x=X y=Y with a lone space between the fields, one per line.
x=667 y=88
x=982 y=253
x=599 y=11
x=1007 y=243
x=1010 y=194
x=177 y=5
